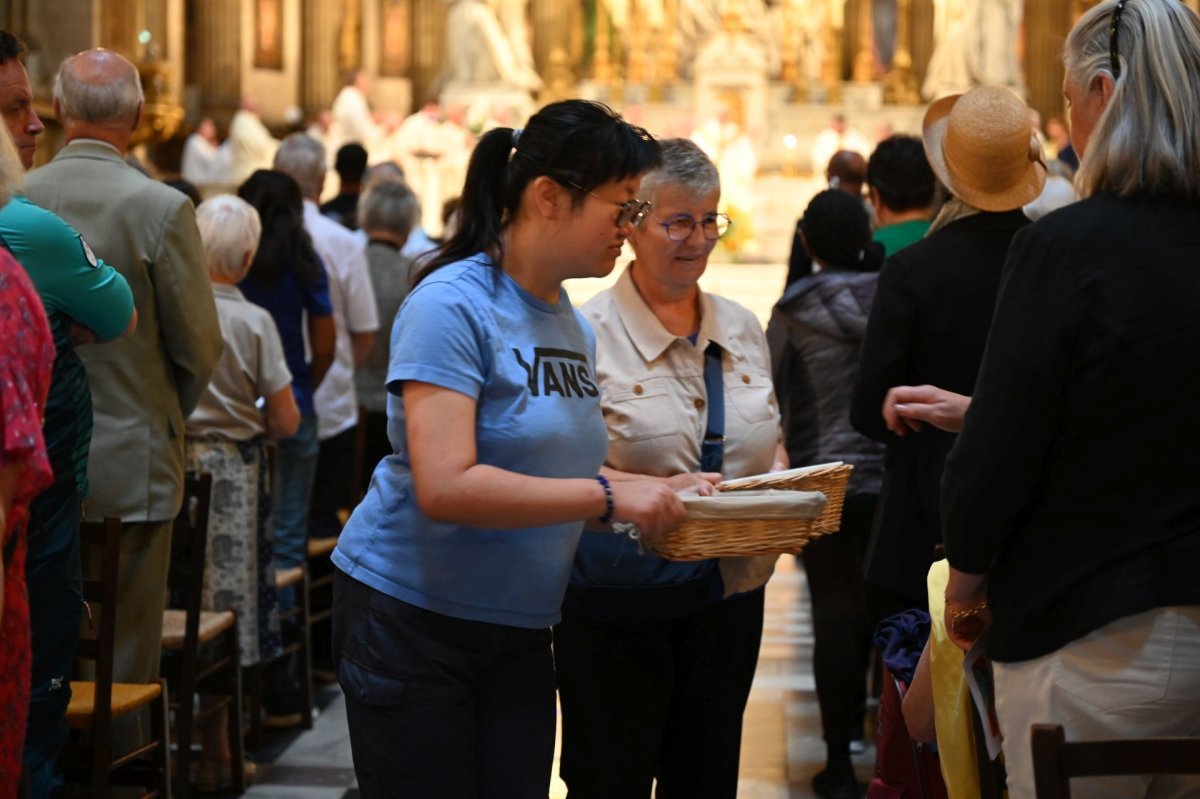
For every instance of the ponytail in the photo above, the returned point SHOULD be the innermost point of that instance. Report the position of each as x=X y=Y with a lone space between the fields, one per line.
x=578 y=143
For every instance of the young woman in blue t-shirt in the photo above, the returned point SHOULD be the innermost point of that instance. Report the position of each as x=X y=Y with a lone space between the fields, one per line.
x=454 y=566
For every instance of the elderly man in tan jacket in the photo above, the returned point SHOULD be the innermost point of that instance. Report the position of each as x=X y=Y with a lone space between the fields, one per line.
x=146 y=384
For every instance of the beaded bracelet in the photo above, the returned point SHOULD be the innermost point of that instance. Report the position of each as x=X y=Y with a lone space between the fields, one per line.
x=967 y=613
x=608 y=499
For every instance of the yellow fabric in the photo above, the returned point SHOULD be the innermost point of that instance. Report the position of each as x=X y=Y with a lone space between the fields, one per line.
x=951 y=697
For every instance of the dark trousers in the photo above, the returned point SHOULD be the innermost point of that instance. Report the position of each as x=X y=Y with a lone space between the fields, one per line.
x=53 y=577
x=657 y=700
x=439 y=706
x=842 y=621
x=333 y=488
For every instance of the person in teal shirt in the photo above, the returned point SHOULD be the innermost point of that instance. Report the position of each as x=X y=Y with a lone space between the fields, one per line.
x=901 y=189
x=86 y=301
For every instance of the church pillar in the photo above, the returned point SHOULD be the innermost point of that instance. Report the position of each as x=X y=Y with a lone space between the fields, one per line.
x=555 y=25
x=214 y=55
x=319 y=75
x=428 y=46
x=921 y=33
x=1046 y=28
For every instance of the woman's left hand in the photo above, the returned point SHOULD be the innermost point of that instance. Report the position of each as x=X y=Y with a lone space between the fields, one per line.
x=703 y=483
x=967 y=613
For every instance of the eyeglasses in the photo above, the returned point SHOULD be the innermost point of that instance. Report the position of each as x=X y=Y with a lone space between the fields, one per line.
x=1113 y=28
x=629 y=212
x=680 y=228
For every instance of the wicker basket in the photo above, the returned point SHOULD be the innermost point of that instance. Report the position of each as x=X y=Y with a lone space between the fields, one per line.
x=700 y=540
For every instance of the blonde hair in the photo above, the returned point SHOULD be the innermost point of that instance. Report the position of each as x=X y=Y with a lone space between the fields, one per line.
x=230 y=230
x=12 y=174
x=1147 y=140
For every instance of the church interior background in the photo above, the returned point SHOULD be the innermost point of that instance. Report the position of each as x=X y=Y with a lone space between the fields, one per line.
x=756 y=81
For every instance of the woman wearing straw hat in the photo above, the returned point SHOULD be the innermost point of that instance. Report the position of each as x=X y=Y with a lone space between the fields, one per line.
x=1072 y=516
x=930 y=317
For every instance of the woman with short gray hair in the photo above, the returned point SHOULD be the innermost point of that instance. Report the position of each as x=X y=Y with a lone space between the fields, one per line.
x=1071 y=517
x=225 y=437
x=655 y=658
x=387 y=213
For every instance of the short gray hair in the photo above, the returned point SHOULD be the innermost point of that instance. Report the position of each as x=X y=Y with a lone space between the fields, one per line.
x=302 y=158
x=389 y=205
x=685 y=165
x=229 y=228
x=116 y=101
x=1147 y=140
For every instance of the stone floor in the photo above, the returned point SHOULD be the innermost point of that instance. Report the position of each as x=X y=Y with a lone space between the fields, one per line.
x=781 y=747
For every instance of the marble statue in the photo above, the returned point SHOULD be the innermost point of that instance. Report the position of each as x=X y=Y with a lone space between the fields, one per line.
x=479 y=51
x=976 y=46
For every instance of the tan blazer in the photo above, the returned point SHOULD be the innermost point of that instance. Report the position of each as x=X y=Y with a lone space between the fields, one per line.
x=145 y=384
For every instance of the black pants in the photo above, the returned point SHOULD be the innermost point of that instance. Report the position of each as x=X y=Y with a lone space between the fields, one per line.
x=333 y=487
x=842 y=620
x=439 y=706
x=657 y=700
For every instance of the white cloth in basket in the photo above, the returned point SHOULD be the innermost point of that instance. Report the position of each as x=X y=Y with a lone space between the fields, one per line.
x=767 y=504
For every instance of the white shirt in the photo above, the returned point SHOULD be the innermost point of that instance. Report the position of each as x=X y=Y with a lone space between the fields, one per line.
x=251 y=145
x=354 y=311
x=352 y=122
x=205 y=162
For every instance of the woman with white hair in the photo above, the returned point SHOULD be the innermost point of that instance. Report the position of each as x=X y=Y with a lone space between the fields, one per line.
x=1071 y=515
x=387 y=213
x=225 y=437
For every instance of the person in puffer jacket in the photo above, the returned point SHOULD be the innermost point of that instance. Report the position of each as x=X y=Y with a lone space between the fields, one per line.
x=814 y=335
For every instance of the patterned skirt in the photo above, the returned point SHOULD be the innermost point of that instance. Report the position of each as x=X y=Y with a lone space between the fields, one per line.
x=239 y=569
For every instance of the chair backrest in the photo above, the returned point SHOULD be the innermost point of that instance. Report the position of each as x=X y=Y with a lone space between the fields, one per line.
x=105 y=536
x=185 y=575
x=1055 y=761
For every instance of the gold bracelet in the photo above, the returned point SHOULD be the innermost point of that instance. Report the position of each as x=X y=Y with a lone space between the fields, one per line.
x=967 y=613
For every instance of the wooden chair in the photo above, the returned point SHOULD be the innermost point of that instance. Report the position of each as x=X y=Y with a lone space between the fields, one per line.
x=95 y=704
x=200 y=648
x=1055 y=761
x=298 y=643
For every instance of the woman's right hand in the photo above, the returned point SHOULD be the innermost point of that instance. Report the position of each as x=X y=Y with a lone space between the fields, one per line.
x=650 y=505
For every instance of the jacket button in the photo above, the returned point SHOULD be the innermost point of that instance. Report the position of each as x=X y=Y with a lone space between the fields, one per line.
x=638 y=390
x=699 y=404
x=746 y=379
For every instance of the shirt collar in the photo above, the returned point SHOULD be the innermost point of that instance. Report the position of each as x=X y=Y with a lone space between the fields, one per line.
x=226 y=290
x=647 y=332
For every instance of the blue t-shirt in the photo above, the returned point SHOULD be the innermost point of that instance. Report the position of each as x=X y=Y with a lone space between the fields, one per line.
x=287 y=302
x=530 y=366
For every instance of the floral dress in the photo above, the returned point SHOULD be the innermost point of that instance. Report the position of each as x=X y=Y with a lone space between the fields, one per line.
x=26 y=356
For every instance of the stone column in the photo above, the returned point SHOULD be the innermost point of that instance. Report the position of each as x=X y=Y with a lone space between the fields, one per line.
x=216 y=55
x=319 y=75
x=1046 y=28
x=428 y=46
x=901 y=85
x=864 y=58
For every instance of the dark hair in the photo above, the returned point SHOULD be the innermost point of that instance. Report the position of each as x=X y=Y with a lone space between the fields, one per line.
x=10 y=47
x=187 y=188
x=838 y=232
x=846 y=166
x=575 y=142
x=351 y=162
x=285 y=244
x=900 y=172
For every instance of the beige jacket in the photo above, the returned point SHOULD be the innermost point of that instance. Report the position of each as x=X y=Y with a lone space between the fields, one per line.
x=145 y=384
x=653 y=395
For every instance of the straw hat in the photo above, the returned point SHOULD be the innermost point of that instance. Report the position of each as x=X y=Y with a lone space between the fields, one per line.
x=982 y=146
